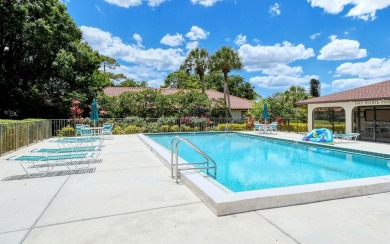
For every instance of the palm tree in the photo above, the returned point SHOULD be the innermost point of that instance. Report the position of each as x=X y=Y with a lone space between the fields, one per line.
x=197 y=61
x=225 y=60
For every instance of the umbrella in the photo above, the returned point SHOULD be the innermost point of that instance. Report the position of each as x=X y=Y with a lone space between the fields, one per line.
x=265 y=112
x=94 y=112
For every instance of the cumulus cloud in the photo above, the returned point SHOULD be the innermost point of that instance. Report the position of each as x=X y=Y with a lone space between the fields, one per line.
x=240 y=40
x=107 y=44
x=282 y=69
x=315 y=35
x=138 y=39
x=362 y=9
x=362 y=73
x=192 y=45
x=205 y=3
x=274 y=9
x=257 y=58
x=341 y=49
x=281 y=81
x=173 y=41
x=154 y=77
x=125 y=3
x=373 y=68
x=197 y=33
x=134 y=3
x=347 y=84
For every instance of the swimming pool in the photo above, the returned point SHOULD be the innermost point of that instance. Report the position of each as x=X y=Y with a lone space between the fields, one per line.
x=248 y=163
x=256 y=172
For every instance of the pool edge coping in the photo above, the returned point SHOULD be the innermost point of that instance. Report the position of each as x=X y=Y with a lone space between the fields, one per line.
x=223 y=203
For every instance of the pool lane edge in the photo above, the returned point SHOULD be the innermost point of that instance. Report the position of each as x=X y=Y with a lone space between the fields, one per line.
x=223 y=202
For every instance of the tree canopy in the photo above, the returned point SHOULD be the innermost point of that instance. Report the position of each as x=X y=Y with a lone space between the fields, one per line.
x=197 y=60
x=225 y=60
x=315 y=88
x=44 y=63
x=283 y=104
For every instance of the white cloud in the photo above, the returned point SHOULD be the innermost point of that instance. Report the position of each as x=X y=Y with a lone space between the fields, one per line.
x=197 y=33
x=347 y=84
x=315 y=35
x=240 y=40
x=138 y=39
x=192 y=45
x=125 y=3
x=366 y=73
x=205 y=3
x=341 y=49
x=155 y=3
x=282 y=69
x=274 y=9
x=134 y=3
x=173 y=41
x=362 y=9
x=154 y=77
x=373 y=68
x=281 y=81
x=98 y=9
x=257 y=58
x=107 y=44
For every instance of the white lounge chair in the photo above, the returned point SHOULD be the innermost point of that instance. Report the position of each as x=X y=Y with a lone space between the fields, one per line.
x=46 y=163
x=347 y=136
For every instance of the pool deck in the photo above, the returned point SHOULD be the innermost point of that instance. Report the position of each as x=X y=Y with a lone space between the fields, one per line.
x=130 y=198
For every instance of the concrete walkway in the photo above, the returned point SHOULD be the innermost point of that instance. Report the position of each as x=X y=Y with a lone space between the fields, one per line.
x=130 y=198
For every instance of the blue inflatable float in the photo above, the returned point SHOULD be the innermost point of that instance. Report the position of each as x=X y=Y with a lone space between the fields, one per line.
x=319 y=135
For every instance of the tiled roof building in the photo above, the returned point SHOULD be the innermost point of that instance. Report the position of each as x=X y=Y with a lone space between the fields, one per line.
x=376 y=91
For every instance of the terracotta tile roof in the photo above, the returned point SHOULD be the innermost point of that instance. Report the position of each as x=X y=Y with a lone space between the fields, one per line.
x=377 y=91
x=235 y=102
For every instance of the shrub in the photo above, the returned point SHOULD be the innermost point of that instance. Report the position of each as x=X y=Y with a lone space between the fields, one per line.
x=153 y=127
x=231 y=127
x=118 y=130
x=134 y=120
x=66 y=131
x=174 y=128
x=167 y=121
x=165 y=128
x=131 y=129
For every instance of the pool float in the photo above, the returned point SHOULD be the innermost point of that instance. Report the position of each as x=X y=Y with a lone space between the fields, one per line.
x=319 y=135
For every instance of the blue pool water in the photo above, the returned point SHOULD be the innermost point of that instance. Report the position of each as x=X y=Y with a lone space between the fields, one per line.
x=251 y=163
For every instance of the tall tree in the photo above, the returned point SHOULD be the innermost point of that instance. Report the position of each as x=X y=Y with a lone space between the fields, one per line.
x=197 y=61
x=43 y=61
x=225 y=60
x=315 y=88
x=180 y=80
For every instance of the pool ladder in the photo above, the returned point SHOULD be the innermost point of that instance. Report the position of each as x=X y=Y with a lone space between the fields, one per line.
x=175 y=169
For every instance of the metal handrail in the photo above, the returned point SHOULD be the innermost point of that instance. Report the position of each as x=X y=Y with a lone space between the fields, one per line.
x=189 y=143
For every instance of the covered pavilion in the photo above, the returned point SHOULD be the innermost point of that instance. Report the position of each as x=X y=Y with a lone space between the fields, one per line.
x=365 y=110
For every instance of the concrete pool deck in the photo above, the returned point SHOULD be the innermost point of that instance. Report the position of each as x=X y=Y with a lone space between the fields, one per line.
x=130 y=198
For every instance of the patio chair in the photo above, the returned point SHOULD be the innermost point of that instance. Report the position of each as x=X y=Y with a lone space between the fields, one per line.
x=273 y=127
x=46 y=163
x=256 y=126
x=107 y=130
x=78 y=129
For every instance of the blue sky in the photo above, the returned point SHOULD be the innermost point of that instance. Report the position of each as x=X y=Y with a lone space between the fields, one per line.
x=343 y=43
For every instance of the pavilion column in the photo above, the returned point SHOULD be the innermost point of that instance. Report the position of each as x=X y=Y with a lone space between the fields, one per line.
x=310 y=121
x=348 y=118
